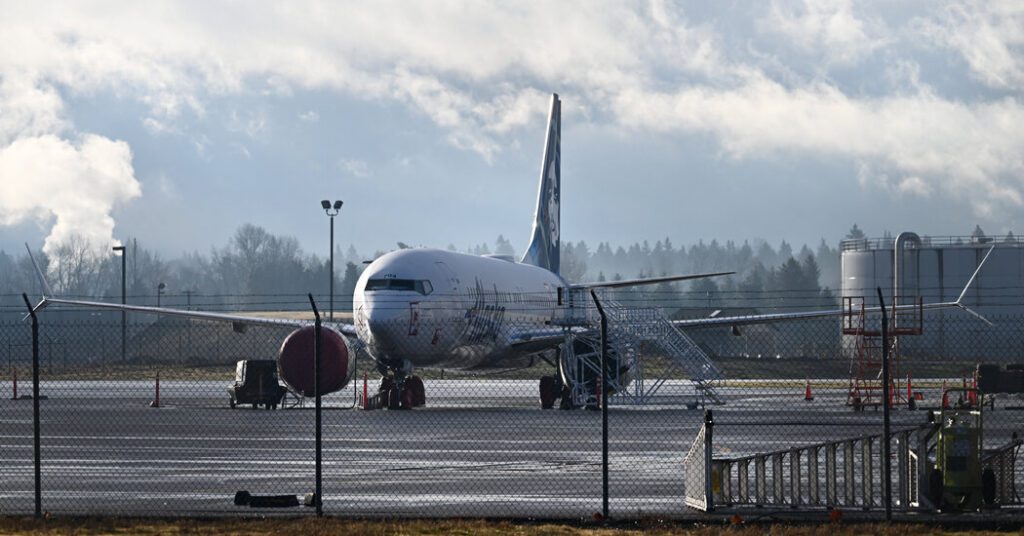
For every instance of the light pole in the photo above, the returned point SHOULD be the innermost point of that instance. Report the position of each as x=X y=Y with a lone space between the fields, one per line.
x=332 y=211
x=159 y=292
x=124 y=314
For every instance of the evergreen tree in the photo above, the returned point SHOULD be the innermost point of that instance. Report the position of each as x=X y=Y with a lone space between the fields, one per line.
x=855 y=233
x=503 y=247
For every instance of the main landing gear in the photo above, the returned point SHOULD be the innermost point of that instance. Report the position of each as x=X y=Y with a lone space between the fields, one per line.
x=552 y=389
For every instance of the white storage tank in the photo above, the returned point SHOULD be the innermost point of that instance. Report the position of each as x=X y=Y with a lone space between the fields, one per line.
x=937 y=271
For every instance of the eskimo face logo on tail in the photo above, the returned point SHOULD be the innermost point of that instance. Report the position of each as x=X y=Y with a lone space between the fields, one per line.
x=543 y=248
x=551 y=218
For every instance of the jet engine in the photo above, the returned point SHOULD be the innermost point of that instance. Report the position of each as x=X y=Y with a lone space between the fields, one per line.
x=295 y=361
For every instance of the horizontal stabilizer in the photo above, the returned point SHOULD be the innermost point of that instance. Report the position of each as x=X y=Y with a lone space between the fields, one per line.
x=647 y=281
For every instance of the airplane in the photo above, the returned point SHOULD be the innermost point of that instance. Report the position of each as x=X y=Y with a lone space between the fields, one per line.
x=422 y=307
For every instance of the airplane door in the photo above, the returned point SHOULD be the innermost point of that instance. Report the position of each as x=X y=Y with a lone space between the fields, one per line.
x=414 y=318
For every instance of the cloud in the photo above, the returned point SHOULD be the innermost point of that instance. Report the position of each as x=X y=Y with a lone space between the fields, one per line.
x=480 y=72
x=75 y=184
x=971 y=151
x=357 y=168
x=28 y=108
x=989 y=36
x=823 y=27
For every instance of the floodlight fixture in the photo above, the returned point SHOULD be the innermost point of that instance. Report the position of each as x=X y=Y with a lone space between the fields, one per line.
x=331 y=211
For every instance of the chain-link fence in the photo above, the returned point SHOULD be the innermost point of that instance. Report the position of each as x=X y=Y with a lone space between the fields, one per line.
x=152 y=427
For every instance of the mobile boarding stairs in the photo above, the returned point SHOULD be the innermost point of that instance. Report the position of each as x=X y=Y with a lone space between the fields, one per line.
x=632 y=331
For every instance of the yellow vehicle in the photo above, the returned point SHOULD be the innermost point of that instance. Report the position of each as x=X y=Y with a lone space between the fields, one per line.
x=957 y=482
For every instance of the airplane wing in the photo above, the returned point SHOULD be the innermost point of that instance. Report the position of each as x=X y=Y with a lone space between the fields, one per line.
x=807 y=315
x=239 y=321
x=541 y=339
x=768 y=318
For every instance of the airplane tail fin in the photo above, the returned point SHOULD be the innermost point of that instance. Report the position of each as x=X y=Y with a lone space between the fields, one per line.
x=543 y=250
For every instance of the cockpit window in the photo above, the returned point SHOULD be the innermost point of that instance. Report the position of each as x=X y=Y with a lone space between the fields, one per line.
x=421 y=286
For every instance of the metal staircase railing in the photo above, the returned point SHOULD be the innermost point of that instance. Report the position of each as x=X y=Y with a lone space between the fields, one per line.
x=649 y=325
x=629 y=330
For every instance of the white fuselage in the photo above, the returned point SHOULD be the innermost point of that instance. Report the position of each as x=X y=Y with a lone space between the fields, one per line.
x=436 y=308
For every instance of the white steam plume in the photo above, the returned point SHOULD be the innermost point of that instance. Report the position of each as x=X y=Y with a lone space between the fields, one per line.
x=75 y=184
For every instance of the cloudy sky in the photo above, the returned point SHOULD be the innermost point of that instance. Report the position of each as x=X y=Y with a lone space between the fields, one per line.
x=177 y=122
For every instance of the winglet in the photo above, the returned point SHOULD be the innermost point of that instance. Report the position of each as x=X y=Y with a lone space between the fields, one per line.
x=971 y=281
x=47 y=291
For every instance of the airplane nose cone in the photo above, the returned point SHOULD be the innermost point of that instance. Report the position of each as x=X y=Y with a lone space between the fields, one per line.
x=384 y=324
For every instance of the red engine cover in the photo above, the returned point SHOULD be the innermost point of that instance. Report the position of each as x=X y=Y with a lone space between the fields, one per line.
x=295 y=362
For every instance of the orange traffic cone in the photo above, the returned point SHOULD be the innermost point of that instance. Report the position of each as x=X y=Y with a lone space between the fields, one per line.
x=807 y=392
x=972 y=396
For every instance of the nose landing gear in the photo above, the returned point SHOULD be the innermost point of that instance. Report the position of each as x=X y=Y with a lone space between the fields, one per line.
x=401 y=392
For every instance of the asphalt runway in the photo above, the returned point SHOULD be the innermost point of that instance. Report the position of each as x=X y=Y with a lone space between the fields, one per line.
x=479 y=448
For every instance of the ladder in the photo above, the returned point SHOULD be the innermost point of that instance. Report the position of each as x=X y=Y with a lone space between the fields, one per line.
x=866 y=387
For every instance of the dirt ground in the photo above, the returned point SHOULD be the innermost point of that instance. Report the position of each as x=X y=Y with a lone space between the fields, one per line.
x=308 y=526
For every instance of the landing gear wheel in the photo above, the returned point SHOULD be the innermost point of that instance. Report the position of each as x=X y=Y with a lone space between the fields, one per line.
x=548 y=392
x=231 y=402
x=417 y=392
x=394 y=398
x=406 y=402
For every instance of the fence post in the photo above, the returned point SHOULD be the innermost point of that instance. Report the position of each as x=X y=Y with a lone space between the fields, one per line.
x=604 y=405
x=709 y=424
x=886 y=398
x=318 y=492
x=36 y=454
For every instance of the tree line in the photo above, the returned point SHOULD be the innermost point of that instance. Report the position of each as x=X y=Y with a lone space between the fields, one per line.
x=258 y=270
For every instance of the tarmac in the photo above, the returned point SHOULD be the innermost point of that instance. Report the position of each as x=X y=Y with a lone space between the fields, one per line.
x=480 y=448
